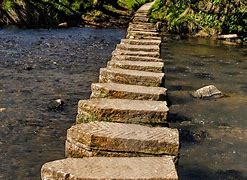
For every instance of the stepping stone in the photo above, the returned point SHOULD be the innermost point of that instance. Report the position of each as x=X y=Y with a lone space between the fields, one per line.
x=147 y=26
x=121 y=140
x=140 y=29
x=140 y=19
x=140 y=15
x=137 y=35
x=146 y=48
x=124 y=91
x=117 y=57
x=145 y=7
x=141 y=42
x=135 y=53
x=143 y=33
x=123 y=111
x=124 y=76
x=137 y=65
x=136 y=168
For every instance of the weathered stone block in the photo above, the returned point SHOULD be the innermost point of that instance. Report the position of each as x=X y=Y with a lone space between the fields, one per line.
x=146 y=48
x=143 y=35
x=124 y=76
x=101 y=168
x=140 y=19
x=135 y=58
x=137 y=65
x=121 y=138
x=124 y=91
x=141 y=42
x=135 y=53
x=147 y=26
x=122 y=110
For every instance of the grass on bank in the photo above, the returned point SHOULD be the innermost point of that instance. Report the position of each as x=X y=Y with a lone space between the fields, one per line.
x=208 y=16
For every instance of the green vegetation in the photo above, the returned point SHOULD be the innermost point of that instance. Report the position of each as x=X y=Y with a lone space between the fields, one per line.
x=208 y=16
x=52 y=12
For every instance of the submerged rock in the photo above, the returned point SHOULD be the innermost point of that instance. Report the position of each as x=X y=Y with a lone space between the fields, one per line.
x=208 y=92
x=56 y=105
x=2 y=109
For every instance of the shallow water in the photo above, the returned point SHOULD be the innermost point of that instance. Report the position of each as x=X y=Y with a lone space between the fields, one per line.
x=38 y=67
x=213 y=133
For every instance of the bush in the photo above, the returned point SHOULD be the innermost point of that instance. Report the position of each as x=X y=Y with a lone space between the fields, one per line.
x=191 y=16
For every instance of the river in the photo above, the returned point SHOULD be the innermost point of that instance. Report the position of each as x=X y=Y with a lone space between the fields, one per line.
x=39 y=66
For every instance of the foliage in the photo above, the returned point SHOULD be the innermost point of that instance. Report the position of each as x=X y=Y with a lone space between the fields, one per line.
x=133 y=4
x=211 y=16
x=52 y=12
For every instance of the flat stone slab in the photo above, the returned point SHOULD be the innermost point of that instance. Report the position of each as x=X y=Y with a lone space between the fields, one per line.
x=135 y=53
x=133 y=28
x=103 y=168
x=137 y=65
x=141 y=42
x=116 y=57
x=148 y=26
x=120 y=138
x=145 y=7
x=125 y=91
x=124 y=76
x=146 y=48
x=143 y=35
x=122 y=110
x=140 y=19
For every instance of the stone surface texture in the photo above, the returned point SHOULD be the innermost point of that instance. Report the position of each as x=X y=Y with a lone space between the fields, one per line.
x=118 y=52
x=120 y=137
x=142 y=27
x=124 y=76
x=141 y=42
x=122 y=110
x=135 y=58
x=125 y=91
x=146 y=48
x=137 y=65
x=102 y=168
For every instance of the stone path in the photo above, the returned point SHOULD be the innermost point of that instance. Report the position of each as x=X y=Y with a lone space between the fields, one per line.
x=110 y=168
x=120 y=131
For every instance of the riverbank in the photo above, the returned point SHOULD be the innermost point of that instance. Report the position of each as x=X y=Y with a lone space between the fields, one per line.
x=206 y=18
x=52 y=14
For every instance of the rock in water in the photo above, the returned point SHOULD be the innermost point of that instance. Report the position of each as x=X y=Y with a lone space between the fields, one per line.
x=208 y=92
x=56 y=105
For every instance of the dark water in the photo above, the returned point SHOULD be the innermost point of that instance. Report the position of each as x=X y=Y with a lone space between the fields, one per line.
x=213 y=133
x=37 y=67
